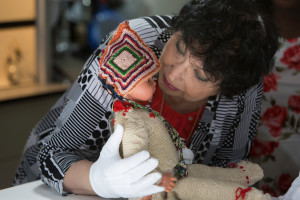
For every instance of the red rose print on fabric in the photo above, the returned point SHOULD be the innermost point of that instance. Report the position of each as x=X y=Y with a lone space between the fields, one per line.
x=284 y=182
x=270 y=82
x=274 y=118
x=269 y=147
x=291 y=57
x=257 y=149
x=263 y=148
x=292 y=40
x=294 y=103
x=267 y=189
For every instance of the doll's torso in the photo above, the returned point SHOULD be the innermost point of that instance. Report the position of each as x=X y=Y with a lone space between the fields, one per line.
x=145 y=131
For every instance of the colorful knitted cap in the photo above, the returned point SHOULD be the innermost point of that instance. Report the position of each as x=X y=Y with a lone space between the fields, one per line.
x=126 y=62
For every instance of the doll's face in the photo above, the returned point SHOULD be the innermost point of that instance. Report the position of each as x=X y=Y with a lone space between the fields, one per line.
x=143 y=92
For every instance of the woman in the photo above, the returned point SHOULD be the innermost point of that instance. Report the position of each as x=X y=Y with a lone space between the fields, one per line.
x=214 y=54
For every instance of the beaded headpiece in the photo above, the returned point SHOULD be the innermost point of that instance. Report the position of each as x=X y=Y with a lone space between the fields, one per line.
x=126 y=62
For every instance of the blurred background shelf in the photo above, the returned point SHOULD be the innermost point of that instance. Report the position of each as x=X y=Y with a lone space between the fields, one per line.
x=21 y=92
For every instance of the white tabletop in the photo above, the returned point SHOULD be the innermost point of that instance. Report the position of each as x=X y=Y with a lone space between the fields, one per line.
x=37 y=190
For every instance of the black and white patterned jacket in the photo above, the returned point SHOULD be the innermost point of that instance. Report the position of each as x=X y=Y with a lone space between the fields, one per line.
x=77 y=127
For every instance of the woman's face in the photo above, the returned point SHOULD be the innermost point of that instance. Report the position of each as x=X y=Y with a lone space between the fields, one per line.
x=182 y=75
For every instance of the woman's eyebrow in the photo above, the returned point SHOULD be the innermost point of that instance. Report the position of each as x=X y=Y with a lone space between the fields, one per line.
x=196 y=62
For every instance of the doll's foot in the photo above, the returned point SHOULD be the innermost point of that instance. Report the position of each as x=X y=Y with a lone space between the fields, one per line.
x=168 y=182
x=248 y=173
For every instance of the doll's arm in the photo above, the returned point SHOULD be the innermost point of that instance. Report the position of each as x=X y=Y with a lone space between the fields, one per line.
x=244 y=173
x=135 y=139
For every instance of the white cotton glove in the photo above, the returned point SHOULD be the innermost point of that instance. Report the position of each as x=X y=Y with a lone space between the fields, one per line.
x=188 y=156
x=294 y=191
x=113 y=177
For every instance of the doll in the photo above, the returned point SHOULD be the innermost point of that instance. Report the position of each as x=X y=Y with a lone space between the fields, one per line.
x=126 y=69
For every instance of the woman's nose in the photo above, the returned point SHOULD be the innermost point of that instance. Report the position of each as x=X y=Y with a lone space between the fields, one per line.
x=177 y=71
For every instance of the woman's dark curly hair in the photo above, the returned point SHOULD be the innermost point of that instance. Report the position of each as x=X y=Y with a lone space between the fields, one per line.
x=235 y=42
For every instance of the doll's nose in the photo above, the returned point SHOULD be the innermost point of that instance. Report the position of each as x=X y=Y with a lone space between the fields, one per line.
x=152 y=82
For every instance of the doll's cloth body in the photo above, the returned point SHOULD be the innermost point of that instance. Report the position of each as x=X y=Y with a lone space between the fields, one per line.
x=145 y=131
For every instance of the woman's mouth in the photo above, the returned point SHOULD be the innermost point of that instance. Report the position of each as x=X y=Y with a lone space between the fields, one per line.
x=170 y=86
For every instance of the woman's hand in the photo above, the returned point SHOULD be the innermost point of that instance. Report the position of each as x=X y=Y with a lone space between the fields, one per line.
x=113 y=177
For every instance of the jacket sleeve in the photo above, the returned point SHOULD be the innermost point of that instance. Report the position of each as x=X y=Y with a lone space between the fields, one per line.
x=236 y=140
x=72 y=135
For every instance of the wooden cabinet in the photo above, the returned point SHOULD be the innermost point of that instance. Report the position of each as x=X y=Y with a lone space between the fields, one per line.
x=18 y=43
x=17 y=118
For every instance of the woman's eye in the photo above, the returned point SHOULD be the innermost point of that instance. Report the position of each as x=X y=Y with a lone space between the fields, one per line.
x=179 y=49
x=200 y=76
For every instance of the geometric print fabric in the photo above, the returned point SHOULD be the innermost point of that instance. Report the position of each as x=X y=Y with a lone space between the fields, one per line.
x=127 y=61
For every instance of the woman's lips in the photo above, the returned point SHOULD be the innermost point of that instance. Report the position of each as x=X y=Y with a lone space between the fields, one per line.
x=170 y=86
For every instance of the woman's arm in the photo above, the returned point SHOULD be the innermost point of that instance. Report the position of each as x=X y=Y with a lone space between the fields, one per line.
x=77 y=180
x=76 y=133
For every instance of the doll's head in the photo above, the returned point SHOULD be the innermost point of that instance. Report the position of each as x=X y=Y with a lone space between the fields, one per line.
x=127 y=66
x=143 y=91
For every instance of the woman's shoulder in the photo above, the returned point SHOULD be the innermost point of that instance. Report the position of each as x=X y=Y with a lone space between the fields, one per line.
x=156 y=21
x=149 y=28
x=248 y=101
x=251 y=93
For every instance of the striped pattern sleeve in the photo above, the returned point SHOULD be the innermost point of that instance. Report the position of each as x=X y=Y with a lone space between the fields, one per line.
x=227 y=128
x=239 y=129
x=149 y=28
x=76 y=123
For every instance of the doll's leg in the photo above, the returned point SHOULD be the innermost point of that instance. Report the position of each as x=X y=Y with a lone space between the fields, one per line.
x=244 y=173
x=191 y=188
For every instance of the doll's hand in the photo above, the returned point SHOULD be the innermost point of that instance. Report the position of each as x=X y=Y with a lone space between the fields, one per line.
x=168 y=182
x=113 y=177
x=294 y=192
